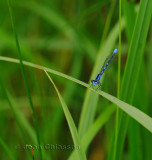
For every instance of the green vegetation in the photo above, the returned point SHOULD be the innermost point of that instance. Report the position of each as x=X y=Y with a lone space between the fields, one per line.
x=49 y=52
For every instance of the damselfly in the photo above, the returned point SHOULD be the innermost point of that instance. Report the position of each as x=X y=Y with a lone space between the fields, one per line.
x=97 y=79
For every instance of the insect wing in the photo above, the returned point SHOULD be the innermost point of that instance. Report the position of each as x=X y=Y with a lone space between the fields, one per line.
x=105 y=62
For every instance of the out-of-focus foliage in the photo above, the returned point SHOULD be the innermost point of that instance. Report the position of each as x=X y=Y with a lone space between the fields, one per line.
x=74 y=38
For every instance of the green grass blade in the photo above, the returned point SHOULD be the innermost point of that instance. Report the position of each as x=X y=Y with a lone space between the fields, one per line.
x=20 y=119
x=94 y=129
x=148 y=136
x=133 y=64
x=129 y=14
x=24 y=123
x=73 y=130
x=24 y=75
x=89 y=106
x=108 y=21
x=136 y=50
x=135 y=113
x=136 y=136
x=134 y=133
x=6 y=148
x=130 y=17
x=149 y=63
x=118 y=87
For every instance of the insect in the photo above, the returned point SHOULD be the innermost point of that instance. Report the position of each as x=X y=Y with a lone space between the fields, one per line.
x=97 y=79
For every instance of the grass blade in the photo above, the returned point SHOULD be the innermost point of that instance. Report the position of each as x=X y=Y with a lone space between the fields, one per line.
x=135 y=113
x=24 y=75
x=133 y=65
x=91 y=98
x=73 y=130
x=6 y=148
x=20 y=119
x=94 y=128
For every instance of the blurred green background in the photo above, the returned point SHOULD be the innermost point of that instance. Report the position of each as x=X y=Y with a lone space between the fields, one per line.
x=69 y=36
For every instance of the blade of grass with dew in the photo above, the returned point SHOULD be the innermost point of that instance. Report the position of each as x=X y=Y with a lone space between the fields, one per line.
x=7 y=150
x=24 y=76
x=135 y=113
x=80 y=153
x=94 y=129
x=133 y=63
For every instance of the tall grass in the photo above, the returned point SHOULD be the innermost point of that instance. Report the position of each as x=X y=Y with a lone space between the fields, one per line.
x=24 y=76
x=70 y=40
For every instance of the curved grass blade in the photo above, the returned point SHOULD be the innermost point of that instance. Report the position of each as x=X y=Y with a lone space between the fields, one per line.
x=89 y=106
x=73 y=130
x=94 y=128
x=135 y=113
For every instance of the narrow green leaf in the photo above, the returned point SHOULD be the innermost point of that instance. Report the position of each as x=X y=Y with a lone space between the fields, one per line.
x=24 y=76
x=130 y=17
x=89 y=106
x=6 y=148
x=136 y=50
x=73 y=130
x=20 y=119
x=134 y=60
x=94 y=129
x=135 y=113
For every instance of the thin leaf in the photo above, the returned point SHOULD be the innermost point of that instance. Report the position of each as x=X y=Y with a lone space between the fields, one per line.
x=94 y=129
x=134 y=60
x=135 y=113
x=89 y=106
x=7 y=149
x=73 y=130
x=24 y=76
